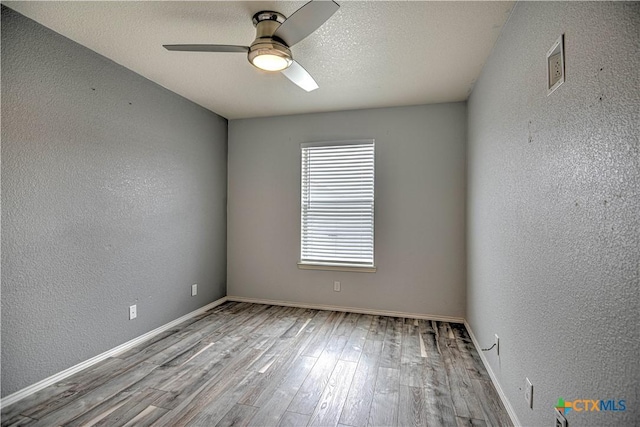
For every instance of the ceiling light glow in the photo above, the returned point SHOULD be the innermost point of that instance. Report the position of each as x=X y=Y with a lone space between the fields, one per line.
x=270 y=62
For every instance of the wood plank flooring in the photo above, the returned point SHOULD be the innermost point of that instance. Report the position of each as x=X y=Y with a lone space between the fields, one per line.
x=243 y=364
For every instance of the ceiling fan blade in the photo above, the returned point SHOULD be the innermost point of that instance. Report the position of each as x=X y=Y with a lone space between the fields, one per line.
x=206 y=48
x=298 y=75
x=305 y=21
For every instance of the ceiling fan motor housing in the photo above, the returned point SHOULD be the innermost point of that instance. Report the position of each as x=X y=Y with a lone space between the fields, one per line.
x=266 y=23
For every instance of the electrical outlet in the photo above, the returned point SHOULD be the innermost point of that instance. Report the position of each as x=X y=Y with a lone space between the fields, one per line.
x=555 y=68
x=194 y=289
x=528 y=392
x=336 y=286
x=133 y=312
x=555 y=65
x=561 y=421
x=497 y=344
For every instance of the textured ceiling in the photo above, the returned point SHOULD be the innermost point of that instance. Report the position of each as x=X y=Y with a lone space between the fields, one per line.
x=369 y=54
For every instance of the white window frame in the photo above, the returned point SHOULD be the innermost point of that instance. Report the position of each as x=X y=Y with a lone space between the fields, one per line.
x=332 y=265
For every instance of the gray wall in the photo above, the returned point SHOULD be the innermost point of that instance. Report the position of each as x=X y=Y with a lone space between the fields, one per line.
x=419 y=222
x=554 y=210
x=113 y=193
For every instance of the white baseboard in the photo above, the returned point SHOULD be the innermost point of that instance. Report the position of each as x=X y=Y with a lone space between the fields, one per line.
x=348 y=309
x=494 y=379
x=21 y=394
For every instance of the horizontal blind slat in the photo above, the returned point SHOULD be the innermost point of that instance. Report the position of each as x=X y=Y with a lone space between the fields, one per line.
x=322 y=259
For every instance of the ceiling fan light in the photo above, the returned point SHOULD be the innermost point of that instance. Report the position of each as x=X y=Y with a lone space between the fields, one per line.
x=269 y=55
x=270 y=62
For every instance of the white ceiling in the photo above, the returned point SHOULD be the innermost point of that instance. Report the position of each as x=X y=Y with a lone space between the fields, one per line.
x=369 y=54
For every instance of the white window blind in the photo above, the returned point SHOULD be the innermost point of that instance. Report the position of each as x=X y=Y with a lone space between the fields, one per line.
x=337 y=203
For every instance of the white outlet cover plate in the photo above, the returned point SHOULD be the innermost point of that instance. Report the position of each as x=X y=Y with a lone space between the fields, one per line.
x=133 y=312
x=561 y=421
x=194 y=289
x=557 y=48
x=528 y=393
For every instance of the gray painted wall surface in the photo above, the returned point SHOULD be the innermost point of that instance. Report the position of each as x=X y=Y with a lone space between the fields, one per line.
x=113 y=194
x=554 y=210
x=419 y=222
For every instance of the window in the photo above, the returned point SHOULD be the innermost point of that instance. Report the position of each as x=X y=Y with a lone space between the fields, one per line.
x=337 y=205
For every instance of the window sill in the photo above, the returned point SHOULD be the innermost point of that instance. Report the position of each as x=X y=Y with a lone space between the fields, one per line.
x=337 y=267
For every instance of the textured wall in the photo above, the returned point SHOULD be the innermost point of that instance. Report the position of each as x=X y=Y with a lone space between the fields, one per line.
x=419 y=223
x=554 y=210
x=113 y=193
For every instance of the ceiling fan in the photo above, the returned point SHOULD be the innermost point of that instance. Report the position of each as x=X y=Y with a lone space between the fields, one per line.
x=275 y=34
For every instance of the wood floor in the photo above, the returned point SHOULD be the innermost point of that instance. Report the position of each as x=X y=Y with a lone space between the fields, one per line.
x=250 y=364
